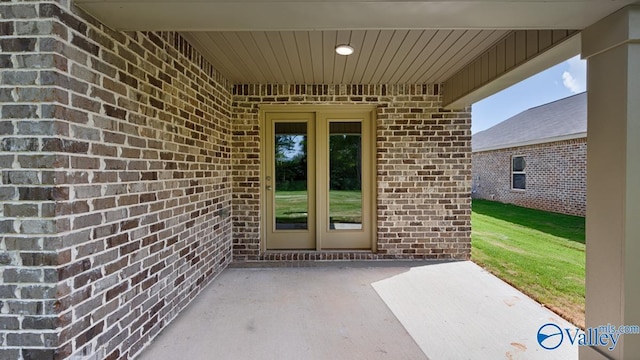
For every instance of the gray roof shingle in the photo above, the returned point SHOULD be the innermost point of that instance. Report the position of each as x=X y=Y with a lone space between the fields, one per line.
x=562 y=118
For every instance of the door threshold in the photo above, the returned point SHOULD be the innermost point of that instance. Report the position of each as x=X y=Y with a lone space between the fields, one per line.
x=322 y=255
x=381 y=262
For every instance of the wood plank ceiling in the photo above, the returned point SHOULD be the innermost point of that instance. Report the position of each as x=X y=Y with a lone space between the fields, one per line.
x=308 y=57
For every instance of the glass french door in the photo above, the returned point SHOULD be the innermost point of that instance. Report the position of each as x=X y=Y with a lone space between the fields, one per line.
x=318 y=180
x=290 y=181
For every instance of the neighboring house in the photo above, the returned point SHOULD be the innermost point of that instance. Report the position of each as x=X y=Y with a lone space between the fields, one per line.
x=536 y=159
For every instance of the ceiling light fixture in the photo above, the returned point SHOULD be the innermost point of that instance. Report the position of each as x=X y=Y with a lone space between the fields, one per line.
x=344 y=49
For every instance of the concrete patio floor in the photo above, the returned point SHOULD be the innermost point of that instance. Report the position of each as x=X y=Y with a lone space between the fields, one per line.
x=355 y=310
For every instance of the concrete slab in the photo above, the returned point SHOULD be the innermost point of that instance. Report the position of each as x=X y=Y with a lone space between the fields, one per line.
x=458 y=310
x=349 y=310
x=288 y=313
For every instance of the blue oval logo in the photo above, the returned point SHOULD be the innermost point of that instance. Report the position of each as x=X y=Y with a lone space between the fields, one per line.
x=550 y=336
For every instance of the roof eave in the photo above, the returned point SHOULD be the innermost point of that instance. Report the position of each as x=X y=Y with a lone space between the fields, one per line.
x=533 y=142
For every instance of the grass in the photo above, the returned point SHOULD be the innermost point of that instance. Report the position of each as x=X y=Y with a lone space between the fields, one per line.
x=345 y=206
x=540 y=253
x=291 y=206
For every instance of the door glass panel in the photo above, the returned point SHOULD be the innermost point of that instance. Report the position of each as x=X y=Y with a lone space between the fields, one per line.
x=291 y=193
x=345 y=175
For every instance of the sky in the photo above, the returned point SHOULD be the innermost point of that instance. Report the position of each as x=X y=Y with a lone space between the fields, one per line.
x=565 y=79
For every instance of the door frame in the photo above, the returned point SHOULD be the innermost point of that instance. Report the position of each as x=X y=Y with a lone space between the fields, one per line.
x=290 y=236
x=321 y=111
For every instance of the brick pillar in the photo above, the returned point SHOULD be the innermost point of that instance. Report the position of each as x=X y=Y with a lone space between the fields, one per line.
x=29 y=229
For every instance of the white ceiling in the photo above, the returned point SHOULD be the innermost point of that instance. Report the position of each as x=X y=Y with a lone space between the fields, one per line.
x=308 y=57
x=292 y=41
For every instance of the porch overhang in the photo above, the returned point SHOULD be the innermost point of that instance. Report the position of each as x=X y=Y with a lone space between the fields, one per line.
x=292 y=41
x=276 y=15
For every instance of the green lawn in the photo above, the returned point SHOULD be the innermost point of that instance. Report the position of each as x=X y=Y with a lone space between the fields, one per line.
x=291 y=206
x=345 y=206
x=540 y=253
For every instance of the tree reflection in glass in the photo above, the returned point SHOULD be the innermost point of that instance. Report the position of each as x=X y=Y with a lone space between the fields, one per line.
x=291 y=196
x=345 y=175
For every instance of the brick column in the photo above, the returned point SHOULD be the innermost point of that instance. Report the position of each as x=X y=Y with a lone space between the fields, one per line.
x=31 y=173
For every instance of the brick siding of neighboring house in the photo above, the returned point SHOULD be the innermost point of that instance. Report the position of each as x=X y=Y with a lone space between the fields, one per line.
x=130 y=170
x=556 y=176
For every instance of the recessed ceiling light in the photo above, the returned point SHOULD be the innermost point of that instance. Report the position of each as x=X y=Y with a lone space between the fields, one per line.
x=344 y=49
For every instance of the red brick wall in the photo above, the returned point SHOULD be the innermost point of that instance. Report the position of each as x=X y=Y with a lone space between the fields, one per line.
x=423 y=169
x=556 y=176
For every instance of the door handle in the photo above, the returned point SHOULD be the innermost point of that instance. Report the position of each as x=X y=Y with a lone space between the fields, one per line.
x=269 y=188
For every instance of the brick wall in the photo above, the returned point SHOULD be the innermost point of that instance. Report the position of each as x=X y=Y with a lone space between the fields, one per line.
x=556 y=176
x=118 y=171
x=115 y=193
x=423 y=169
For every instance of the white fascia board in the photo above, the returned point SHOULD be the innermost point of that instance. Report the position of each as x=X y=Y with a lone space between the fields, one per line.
x=533 y=142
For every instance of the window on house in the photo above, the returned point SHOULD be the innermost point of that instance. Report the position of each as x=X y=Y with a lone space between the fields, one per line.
x=518 y=176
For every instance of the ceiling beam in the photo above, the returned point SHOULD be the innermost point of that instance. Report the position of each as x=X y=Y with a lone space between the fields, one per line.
x=242 y=15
